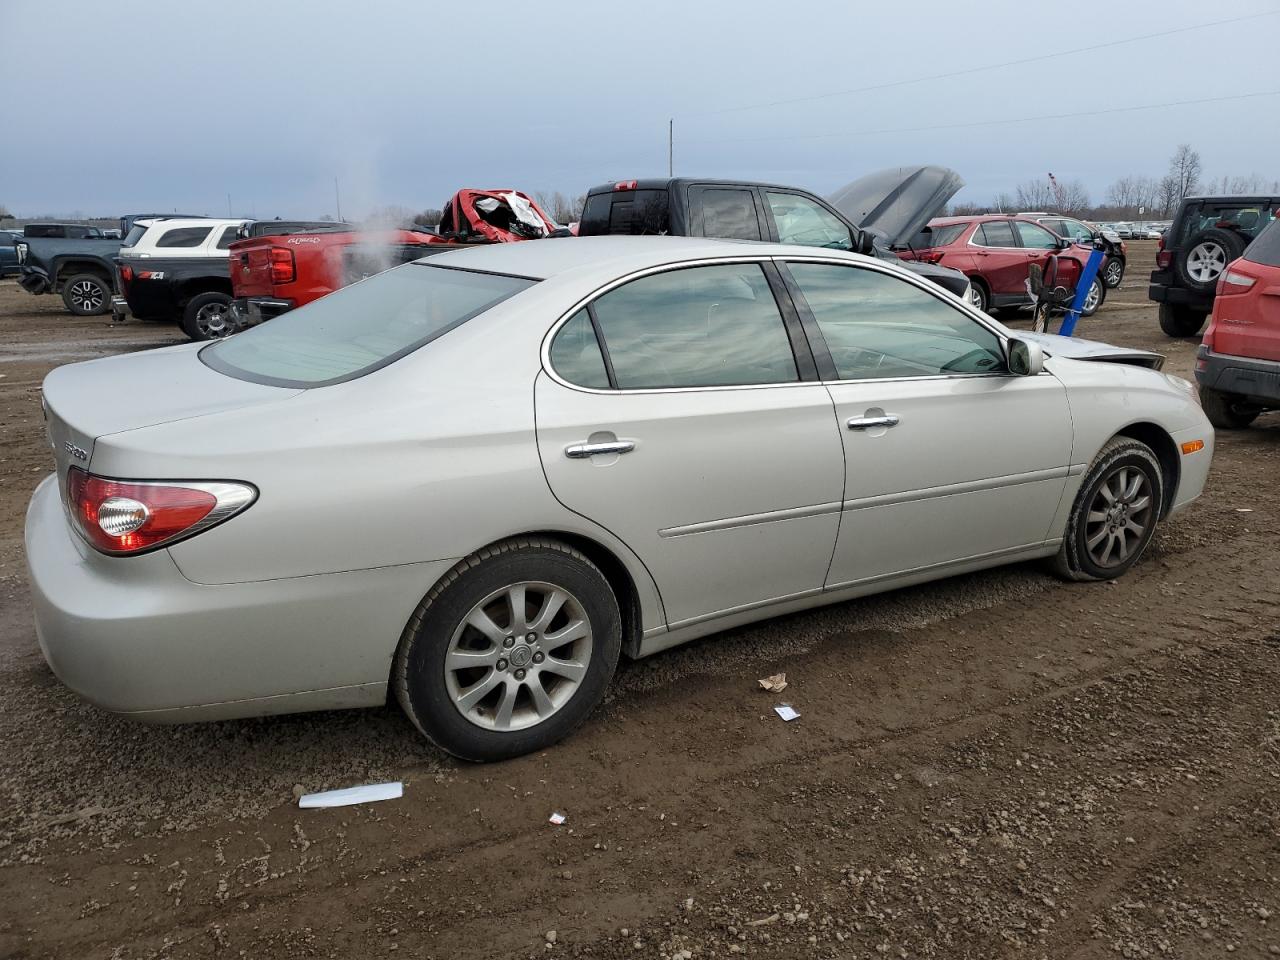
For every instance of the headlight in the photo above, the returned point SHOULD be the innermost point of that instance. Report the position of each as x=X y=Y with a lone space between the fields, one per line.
x=22 y=252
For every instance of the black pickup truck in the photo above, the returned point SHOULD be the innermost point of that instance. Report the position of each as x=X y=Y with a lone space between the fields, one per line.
x=80 y=268
x=892 y=207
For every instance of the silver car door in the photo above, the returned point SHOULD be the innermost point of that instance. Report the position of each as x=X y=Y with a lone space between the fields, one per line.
x=694 y=438
x=949 y=457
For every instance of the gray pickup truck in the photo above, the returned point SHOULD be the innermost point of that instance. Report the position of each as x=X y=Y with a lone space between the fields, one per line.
x=79 y=268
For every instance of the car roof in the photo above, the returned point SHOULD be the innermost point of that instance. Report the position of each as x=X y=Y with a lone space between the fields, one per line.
x=168 y=222
x=544 y=259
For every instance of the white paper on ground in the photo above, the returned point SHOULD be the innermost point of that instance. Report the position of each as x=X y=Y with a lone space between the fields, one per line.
x=786 y=711
x=556 y=818
x=368 y=793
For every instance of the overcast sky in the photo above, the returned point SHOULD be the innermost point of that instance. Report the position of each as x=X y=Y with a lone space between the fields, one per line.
x=133 y=106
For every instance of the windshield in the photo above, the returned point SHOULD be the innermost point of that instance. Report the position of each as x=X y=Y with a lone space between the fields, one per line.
x=360 y=328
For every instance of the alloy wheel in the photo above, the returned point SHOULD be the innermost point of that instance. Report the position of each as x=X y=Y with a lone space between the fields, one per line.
x=976 y=297
x=1118 y=517
x=86 y=296
x=1113 y=273
x=519 y=656
x=214 y=321
x=1092 y=299
x=1205 y=261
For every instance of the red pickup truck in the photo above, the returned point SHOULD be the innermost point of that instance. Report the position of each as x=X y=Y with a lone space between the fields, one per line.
x=271 y=275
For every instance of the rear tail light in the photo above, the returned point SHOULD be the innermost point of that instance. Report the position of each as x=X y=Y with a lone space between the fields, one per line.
x=122 y=517
x=1238 y=280
x=930 y=256
x=282 y=265
x=625 y=185
x=1164 y=259
x=126 y=274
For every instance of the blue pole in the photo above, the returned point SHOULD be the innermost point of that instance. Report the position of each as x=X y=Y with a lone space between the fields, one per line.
x=1082 y=292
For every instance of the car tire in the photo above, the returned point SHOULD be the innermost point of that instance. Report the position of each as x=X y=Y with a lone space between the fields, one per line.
x=1113 y=272
x=492 y=710
x=207 y=316
x=1123 y=489
x=1179 y=321
x=87 y=295
x=978 y=296
x=1225 y=412
x=1204 y=257
x=1096 y=298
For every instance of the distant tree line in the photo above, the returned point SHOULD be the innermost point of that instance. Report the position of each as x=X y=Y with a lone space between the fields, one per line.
x=1128 y=198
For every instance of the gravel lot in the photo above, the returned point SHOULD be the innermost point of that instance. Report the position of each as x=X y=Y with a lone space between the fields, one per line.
x=994 y=765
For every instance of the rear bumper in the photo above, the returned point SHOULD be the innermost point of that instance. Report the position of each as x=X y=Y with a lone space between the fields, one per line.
x=134 y=636
x=1255 y=380
x=251 y=311
x=34 y=280
x=1161 y=292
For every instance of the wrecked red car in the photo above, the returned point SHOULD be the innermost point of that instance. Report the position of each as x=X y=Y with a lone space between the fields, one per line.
x=272 y=275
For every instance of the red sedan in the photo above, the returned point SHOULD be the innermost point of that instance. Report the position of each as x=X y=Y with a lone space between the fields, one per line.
x=996 y=252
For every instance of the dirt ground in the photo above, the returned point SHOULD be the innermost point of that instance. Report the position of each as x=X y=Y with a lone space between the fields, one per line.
x=997 y=765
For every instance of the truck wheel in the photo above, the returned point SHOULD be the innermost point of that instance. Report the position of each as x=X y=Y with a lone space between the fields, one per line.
x=208 y=317
x=87 y=295
x=1178 y=321
x=1203 y=258
x=1225 y=412
x=1113 y=272
x=1114 y=515
x=510 y=651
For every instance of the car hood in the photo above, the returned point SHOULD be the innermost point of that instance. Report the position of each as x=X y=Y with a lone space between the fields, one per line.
x=896 y=203
x=1074 y=349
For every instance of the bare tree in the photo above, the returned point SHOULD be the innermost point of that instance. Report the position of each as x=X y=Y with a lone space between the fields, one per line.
x=1034 y=195
x=429 y=217
x=1075 y=197
x=4 y=213
x=1185 y=168
x=1167 y=194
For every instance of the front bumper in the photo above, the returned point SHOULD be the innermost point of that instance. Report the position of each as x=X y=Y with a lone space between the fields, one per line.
x=134 y=636
x=34 y=280
x=1255 y=380
x=251 y=311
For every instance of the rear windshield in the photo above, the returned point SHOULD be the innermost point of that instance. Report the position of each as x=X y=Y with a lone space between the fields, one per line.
x=360 y=328
x=1248 y=219
x=631 y=212
x=135 y=234
x=938 y=236
x=1266 y=249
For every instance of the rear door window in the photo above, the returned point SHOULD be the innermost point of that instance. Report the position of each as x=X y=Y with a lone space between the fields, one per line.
x=801 y=220
x=711 y=326
x=184 y=237
x=728 y=212
x=995 y=233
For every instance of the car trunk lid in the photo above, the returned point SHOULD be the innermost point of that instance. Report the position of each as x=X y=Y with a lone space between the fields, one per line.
x=1246 y=311
x=86 y=401
x=896 y=203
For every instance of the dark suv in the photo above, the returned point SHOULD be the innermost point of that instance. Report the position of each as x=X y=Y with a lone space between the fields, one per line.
x=1207 y=234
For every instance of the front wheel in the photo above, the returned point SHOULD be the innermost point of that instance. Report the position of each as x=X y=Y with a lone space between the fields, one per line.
x=1225 y=412
x=208 y=317
x=87 y=295
x=1115 y=513
x=1113 y=272
x=510 y=651
x=1094 y=298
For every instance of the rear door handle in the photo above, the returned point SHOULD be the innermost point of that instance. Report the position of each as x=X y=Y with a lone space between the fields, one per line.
x=866 y=423
x=580 y=451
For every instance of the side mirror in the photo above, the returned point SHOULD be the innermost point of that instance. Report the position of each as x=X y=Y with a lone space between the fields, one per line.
x=1025 y=359
x=866 y=243
x=1065 y=243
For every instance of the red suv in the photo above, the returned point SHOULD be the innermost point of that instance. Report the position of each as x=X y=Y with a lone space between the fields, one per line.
x=1238 y=364
x=996 y=252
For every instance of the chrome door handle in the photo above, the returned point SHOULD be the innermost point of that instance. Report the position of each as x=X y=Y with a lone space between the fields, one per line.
x=580 y=451
x=866 y=423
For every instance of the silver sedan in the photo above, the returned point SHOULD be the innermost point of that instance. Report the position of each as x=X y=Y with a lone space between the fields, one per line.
x=476 y=480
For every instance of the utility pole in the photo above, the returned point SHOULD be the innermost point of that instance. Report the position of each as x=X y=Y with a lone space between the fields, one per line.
x=337 y=198
x=229 y=213
x=671 y=146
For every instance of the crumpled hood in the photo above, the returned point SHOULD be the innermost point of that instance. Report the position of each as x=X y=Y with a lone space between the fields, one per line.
x=896 y=203
x=1074 y=349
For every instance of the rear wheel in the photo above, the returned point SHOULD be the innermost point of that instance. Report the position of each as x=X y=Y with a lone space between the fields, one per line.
x=510 y=651
x=978 y=295
x=1226 y=412
x=208 y=317
x=87 y=295
x=1180 y=321
x=1115 y=513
